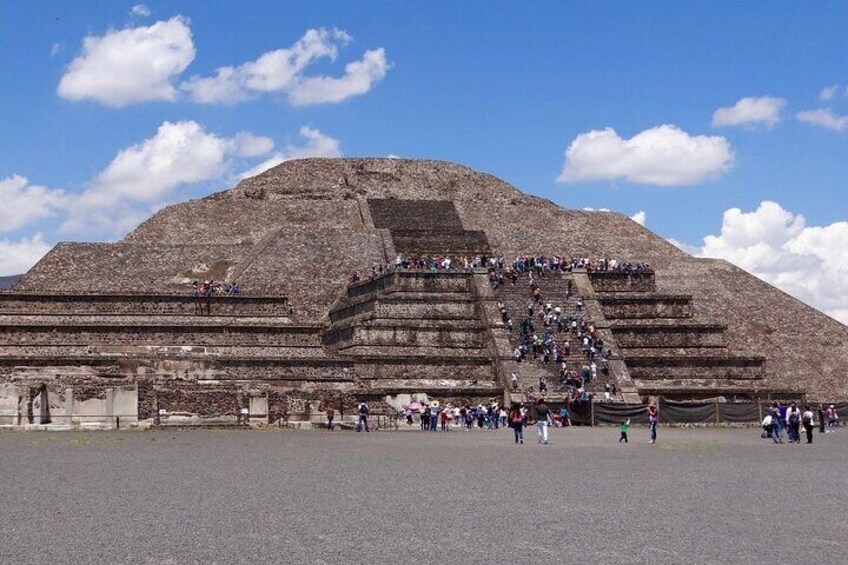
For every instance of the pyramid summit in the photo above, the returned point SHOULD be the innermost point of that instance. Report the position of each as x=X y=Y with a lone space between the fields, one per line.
x=120 y=324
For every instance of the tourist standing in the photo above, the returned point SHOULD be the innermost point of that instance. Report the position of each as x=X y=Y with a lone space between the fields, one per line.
x=793 y=418
x=776 y=425
x=832 y=417
x=516 y=422
x=331 y=413
x=653 y=419
x=362 y=423
x=434 y=418
x=808 y=420
x=564 y=416
x=543 y=416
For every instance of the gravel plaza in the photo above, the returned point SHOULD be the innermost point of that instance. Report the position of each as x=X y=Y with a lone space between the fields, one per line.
x=234 y=496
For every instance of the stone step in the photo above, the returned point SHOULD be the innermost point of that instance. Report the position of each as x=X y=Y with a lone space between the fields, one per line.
x=713 y=366
x=17 y=321
x=629 y=334
x=12 y=302
x=677 y=388
x=623 y=282
x=447 y=351
x=404 y=307
x=645 y=306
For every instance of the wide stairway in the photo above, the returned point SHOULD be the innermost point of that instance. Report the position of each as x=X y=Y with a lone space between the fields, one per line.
x=516 y=299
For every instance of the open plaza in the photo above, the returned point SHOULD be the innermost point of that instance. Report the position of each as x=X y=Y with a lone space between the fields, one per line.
x=700 y=495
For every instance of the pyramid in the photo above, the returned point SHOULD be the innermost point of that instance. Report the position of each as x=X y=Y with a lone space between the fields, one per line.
x=114 y=327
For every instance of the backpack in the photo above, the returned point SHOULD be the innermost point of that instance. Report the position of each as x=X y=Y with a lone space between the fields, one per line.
x=793 y=418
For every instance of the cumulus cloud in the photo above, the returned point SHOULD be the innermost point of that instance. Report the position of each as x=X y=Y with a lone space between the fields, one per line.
x=750 y=110
x=358 y=78
x=808 y=262
x=828 y=92
x=663 y=155
x=282 y=71
x=24 y=202
x=316 y=144
x=140 y=11
x=824 y=117
x=148 y=173
x=131 y=65
x=639 y=217
x=18 y=256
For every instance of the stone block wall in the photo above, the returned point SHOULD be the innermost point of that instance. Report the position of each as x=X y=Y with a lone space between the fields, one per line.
x=623 y=282
x=140 y=304
x=688 y=335
x=646 y=307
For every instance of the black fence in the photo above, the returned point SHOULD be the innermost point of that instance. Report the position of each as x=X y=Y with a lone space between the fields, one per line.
x=706 y=412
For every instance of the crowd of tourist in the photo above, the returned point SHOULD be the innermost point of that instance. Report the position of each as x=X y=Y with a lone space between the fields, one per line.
x=492 y=416
x=790 y=418
x=499 y=268
x=209 y=288
x=545 y=335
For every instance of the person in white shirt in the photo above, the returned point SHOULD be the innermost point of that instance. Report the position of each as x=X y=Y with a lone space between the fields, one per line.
x=808 y=420
x=767 y=427
x=793 y=421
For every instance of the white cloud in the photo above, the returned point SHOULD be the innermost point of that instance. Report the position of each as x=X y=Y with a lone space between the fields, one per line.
x=24 y=202
x=55 y=49
x=130 y=65
x=246 y=144
x=179 y=153
x=663 y=155
x=18 y=256
x=639 y=217
x=143 y=177
x=590 y=209
x=317 y=145
x=140 y=11
x=829 y=92
x=808 y=262
x=147 y=173
x=358 y=78
x=824 y=117
x=750 y=110
x=281 y=71
x=685 y=247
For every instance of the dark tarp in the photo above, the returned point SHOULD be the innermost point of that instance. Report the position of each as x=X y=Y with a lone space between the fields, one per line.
x=738 y=412
x=616 y=413
x=687 y=412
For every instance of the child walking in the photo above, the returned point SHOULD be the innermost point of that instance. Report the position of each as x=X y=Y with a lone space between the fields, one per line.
x=625 y=427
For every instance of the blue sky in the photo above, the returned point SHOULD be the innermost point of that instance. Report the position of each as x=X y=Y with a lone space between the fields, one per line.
x=506 y=88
